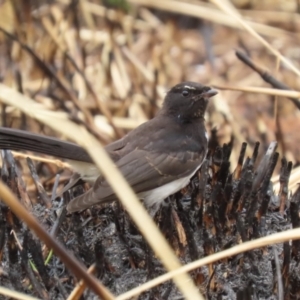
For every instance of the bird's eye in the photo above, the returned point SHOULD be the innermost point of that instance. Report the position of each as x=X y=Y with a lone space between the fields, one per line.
x=185 y=93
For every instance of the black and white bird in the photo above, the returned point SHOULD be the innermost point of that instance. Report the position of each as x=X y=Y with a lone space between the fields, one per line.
x=158 y=158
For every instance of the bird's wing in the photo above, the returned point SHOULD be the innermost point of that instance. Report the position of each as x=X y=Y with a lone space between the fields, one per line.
x=116 y=145
x=115 y=148
x=144 y=171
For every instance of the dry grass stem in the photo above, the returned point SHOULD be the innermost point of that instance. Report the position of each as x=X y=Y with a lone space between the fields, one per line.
x=81 y=286
x=207 y=13
x=260 y=90
x=15 y=295
x=58 y=163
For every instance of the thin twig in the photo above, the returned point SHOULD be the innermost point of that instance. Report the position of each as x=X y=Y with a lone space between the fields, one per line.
x=267 y=77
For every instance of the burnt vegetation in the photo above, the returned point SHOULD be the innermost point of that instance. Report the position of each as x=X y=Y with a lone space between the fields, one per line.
x=218 y=210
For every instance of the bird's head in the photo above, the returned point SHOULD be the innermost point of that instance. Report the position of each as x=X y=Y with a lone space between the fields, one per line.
x=187 y=101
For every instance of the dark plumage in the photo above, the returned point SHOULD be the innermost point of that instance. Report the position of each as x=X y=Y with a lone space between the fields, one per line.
x=157 y=158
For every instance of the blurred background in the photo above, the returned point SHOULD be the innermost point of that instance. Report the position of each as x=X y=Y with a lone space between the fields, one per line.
x=109 y=63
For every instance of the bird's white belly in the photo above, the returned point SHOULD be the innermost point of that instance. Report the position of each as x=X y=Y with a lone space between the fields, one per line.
x=157 y=195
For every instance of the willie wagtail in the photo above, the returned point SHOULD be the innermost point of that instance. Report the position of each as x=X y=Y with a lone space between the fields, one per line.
x=158 y=158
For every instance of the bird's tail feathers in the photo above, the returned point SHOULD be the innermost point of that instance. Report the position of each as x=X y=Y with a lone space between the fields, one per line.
x=14 y=139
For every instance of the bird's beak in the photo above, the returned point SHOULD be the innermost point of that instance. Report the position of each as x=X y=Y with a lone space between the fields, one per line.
x=209 y=93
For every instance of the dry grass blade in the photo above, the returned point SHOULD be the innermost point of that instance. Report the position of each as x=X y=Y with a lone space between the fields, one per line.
x=209 y=14
x=15 y=295
x=276 y=238
x=231 y=12
x=59 y=121
x=124 y=123
x=260 y=90
x=58 y=163
x=70 y=261
x=272 y=16
x=130 y=56
x=79 y=289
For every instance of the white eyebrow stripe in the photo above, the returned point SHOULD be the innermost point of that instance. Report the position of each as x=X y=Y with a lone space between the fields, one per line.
x=189 y=87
